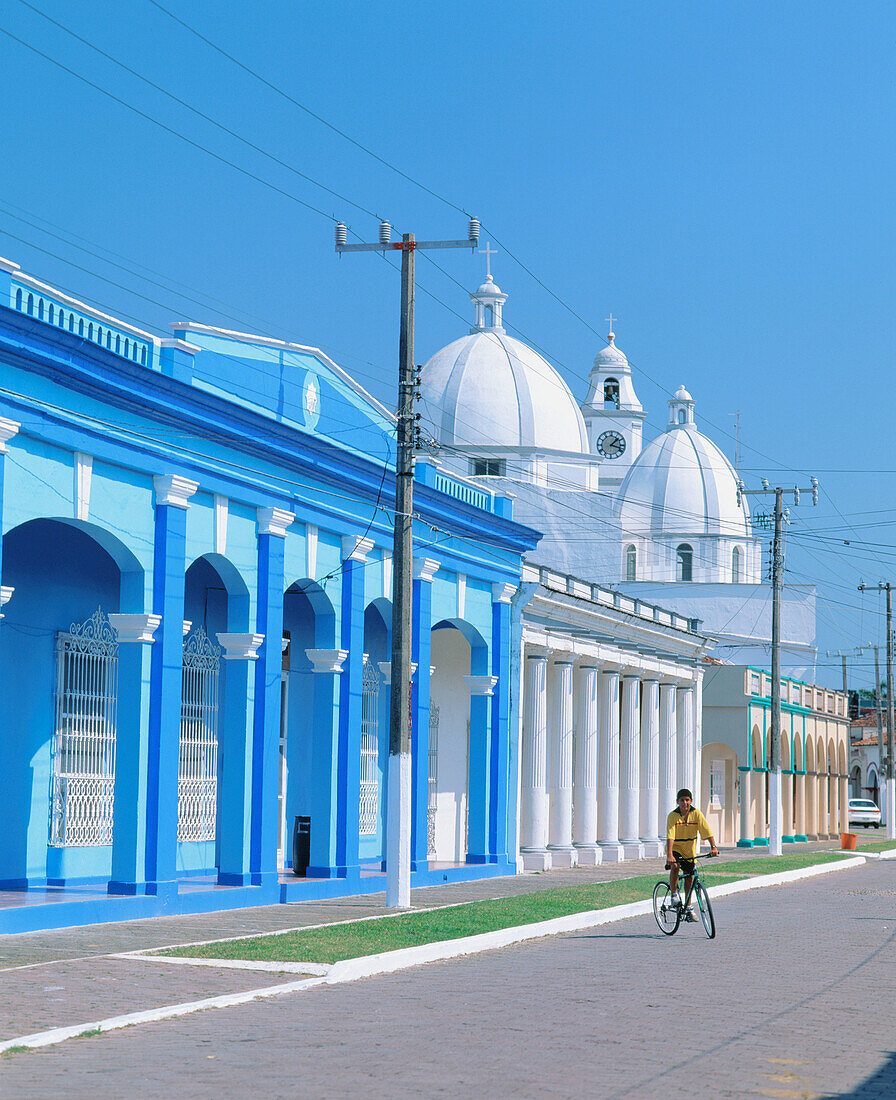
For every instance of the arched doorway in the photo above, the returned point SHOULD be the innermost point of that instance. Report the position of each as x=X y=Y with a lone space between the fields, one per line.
x=458 y=751
x=375 y=707
x=56 y=644
x=213 y=728
x=308 y=721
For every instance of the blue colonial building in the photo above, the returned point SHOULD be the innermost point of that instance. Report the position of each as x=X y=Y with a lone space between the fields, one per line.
x=195 y=642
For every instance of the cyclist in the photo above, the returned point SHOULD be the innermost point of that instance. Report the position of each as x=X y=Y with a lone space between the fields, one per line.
x=682 y=826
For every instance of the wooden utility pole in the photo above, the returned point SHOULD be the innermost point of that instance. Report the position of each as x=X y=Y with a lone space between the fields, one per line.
x=398 y=789
x=890 y=773
x=776 y=810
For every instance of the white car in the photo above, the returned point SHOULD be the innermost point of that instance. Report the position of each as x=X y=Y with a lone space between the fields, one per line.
x=862 y=811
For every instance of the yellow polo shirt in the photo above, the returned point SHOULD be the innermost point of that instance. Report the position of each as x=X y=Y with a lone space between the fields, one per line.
x=683 y=834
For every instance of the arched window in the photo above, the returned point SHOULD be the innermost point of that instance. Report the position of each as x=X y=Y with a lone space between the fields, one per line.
x=90 y=331
x=611 y=393
x=631 y=563
x=40 y=308
x=117 y=344
x=127 y=348
x=684 y=563
x=99 y=334
x=31 y=305
x=62 y=318
x=735 y=565
x=19 y=299
x=71 y=322
x=681 y=416
x=80 y=326
x=51 y=314
x=143 y=357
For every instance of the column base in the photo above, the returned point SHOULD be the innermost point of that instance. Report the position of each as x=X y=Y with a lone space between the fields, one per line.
x=563 y=857
x=788 y=839
x=235 y=878
x=653 y=847
x=535 y=859
x=611 y=851
x=800 y=837
x=130 y=889
x=632 y=849
x=745 y=844
x=811 y=836
x=589 y=855
x=760 y=842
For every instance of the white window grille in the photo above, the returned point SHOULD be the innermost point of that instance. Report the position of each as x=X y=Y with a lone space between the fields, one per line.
x=433 y=781
x=197 y=779
x=83 y=767
x=370 y=772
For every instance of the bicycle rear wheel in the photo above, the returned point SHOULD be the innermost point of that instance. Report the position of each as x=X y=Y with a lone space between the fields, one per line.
x=668 y=916
x=709 y=921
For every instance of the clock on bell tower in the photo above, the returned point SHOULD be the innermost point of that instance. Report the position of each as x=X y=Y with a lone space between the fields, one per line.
x=613 y=414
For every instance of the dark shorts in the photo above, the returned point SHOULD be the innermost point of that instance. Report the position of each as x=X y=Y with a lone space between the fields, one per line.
x=685 y=865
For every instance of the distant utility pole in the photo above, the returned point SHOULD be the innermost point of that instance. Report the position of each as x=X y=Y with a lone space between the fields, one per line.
x=877 y=706
x=842 y=657
x=776 y=815
x=891 y=781
x=398 y=790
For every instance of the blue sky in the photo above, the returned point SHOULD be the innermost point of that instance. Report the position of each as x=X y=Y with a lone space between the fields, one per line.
x=719 y=176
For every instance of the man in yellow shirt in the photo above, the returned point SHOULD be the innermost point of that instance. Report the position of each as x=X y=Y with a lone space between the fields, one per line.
x=682 y=827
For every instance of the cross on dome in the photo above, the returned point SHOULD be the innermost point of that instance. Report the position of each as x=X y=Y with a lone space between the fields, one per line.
x=611 y=335
x=488 y=252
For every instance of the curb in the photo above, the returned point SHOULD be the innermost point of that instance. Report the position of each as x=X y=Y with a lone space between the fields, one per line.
x=388 y=962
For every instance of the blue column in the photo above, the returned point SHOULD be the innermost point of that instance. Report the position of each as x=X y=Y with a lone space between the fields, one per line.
x=135 y=636
x=481 y=688
x=351 y=634
x=421 y=655
x=8 y=428
x=500 y=824
x=166 y=673
x=324 y=783
x=235 y=738
x=272 y=524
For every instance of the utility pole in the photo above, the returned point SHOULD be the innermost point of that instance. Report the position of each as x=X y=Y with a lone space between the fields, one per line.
x=842 y=657
x=891 y=775
x=398 y=789
x=776 y=814
x=877 y=700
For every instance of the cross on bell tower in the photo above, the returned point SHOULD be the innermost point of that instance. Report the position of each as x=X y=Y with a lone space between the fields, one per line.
x=488 y=252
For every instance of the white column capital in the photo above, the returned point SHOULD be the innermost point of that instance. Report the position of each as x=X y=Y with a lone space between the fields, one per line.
x=174 y=490
x=355 y=548
x=8 y=428
x=240 y=647
x=481 y=685
x=425 y=569
x=326 y=660
x=503 y=593
x=274 y=521
x=187 y=624
x=385 y=668
x=135 y=627
x=5 y=596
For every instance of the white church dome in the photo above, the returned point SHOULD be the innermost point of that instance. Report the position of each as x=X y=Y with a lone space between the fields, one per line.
x=682 y=484
x=489 y=390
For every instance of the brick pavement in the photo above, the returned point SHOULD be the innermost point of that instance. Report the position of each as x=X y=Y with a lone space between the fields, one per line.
x=766 y=1009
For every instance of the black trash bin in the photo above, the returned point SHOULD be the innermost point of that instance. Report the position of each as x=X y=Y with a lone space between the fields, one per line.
x=301 y=846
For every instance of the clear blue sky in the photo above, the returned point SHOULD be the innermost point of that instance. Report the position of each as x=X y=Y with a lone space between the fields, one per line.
x=719 y=176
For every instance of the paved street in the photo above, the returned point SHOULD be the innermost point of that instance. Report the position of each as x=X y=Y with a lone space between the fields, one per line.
x=766 y=1009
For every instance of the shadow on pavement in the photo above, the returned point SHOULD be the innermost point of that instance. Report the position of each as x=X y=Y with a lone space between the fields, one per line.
x=881 y=1083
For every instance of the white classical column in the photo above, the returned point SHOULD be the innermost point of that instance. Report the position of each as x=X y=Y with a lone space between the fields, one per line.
x=534 y=792
x=608 y=767
x=563 y=854
x=650 y=769
x=585 y=788
x=630 y=767
x=668 y=755
x=687 y=741
x=698 y=740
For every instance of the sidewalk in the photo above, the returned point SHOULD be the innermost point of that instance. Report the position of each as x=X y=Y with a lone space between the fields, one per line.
x=67 y=977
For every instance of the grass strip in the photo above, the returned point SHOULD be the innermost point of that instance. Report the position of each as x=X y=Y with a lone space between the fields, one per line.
x=354 y=939
x=875 y=845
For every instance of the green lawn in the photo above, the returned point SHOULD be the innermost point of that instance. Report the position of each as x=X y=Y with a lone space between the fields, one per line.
x=865 y=844
x=369 y=937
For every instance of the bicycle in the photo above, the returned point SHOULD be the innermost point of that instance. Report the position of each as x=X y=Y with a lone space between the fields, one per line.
x=668 y=916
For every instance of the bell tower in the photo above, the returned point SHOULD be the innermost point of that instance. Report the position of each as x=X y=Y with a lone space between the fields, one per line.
x=613 y=414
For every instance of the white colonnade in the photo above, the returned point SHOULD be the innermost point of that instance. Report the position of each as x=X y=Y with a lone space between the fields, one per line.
x=606 y=743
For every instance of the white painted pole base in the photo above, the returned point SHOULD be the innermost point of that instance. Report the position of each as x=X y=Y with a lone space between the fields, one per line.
x=891 y=808
x=776 y=817
x=398 y=832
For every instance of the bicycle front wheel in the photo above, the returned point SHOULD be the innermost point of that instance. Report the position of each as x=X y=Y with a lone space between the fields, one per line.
x=709 y=921
x=667 y=915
